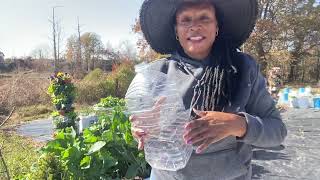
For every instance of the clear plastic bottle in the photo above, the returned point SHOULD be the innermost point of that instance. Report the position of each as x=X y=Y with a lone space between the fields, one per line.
x=163 y=122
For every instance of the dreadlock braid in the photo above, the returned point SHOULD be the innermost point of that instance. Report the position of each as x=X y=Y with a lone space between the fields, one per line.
x=214 y=90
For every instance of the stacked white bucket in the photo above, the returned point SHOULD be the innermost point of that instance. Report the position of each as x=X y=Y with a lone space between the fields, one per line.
x=164 y=123
x=301 y=98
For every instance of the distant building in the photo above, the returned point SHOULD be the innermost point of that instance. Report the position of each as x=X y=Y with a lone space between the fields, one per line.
x=1 y=57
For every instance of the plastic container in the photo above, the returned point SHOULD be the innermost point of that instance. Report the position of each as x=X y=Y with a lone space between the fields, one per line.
x=164 y=123
x=86 y=121
x=294 y=102
x=308 y=90
x=316 y=102
x=303 y=102
x=286 y=90
x=301 y=90
x=285 y=97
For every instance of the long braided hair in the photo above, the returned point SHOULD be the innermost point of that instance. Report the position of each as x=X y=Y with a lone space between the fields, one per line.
x=218 y=83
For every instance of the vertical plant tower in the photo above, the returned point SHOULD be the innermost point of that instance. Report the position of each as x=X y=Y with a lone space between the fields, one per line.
x=62 y=93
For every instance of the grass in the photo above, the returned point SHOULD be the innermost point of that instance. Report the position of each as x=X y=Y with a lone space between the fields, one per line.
x=35 y=112
x=83 y=109
x=19 y=153
x=29 y=113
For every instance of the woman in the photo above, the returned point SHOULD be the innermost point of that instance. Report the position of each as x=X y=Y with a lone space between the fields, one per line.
x=232 y=109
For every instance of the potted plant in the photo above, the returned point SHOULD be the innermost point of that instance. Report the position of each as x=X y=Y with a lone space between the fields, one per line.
x=62 y=93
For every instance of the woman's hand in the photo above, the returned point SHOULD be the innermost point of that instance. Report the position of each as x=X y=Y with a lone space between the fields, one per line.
x=138 y=134
x=212 y=126
x=140 y=121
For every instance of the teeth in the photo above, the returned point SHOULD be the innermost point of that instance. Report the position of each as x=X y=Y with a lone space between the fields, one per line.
x=197 y=38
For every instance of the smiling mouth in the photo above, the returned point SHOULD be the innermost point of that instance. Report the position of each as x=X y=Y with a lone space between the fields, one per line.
x=196 y=38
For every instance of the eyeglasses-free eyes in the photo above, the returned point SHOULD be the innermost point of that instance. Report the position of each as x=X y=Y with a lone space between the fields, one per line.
x=188 y=22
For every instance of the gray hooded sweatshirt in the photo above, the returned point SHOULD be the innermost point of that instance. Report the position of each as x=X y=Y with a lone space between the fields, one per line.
x=230 y=158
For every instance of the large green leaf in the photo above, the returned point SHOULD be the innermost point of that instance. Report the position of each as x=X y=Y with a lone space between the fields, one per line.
x=132 y=171
x=128 y=138
x=54 y=146
x=107 y=135
x=71 y=154
x=96 y=147
x=89 y=137
x=85 y=162
x=60 y=135
x=108 y=160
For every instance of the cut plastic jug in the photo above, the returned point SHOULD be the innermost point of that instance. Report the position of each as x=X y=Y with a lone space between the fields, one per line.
x=155 y=101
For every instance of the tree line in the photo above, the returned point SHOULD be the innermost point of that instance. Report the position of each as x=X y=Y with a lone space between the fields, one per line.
x=286 y=35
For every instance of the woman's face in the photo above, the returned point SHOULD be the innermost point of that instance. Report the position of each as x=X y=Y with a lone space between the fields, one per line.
x=196 y=29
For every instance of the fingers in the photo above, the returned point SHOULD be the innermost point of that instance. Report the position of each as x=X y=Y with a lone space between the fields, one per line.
x=198 y=138
x=209 y=141
x=145 y=118
x=132 y=118
x=141 y=144
x=200 y=113
x=157 y=105
x=195 y=135
x=150 y=115
x=139 y=135
x=203 y=146
x=160 y=101
x=195 y=124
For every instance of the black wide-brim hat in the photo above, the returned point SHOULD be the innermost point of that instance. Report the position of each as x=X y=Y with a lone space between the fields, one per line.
x=157 y=17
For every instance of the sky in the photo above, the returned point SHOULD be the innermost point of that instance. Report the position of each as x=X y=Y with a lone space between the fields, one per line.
x=25 y=26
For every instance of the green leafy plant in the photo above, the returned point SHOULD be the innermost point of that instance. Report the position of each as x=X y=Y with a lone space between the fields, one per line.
x=48 y=167
x=66 y=120
x=105 y=150
x=110 y=102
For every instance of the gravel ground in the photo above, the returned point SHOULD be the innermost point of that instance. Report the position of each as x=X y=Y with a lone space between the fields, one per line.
x=297 y=158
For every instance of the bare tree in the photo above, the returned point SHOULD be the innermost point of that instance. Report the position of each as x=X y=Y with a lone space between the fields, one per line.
x=59 y=40
x=41 y=51
x=56 y=38
x=127 y=50
x=1 y=57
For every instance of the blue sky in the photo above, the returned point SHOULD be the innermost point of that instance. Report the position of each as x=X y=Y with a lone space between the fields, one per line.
x=24 y=24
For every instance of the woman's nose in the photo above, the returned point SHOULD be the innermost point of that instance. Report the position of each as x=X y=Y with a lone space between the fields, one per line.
x=195 y=27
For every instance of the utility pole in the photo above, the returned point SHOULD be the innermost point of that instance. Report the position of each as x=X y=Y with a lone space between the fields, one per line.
x=54 y=35
x=79 y=53
x=318 y=67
